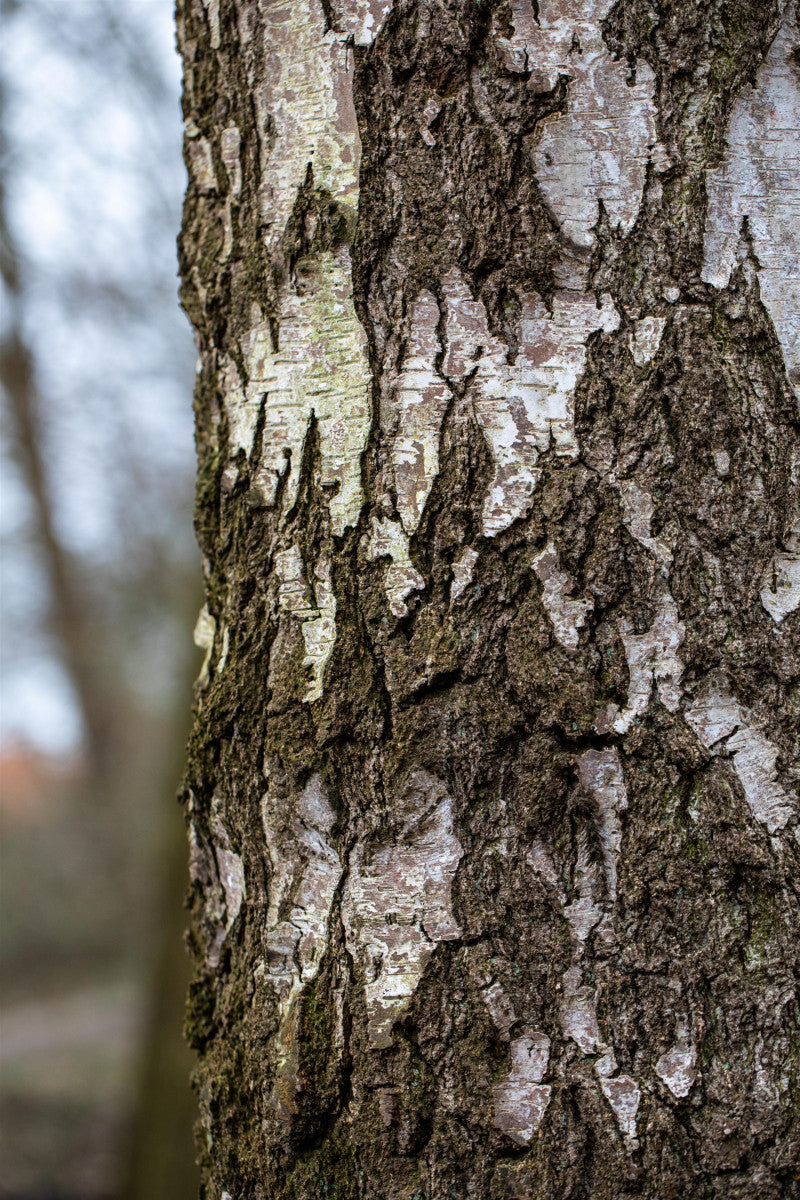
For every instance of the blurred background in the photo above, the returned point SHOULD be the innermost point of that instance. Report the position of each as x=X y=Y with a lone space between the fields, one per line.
x=99 y=589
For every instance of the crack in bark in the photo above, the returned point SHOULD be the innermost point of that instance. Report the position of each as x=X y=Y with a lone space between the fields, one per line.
x=681 y=495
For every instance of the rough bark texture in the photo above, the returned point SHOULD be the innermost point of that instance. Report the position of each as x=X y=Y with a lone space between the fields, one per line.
x=492 y=791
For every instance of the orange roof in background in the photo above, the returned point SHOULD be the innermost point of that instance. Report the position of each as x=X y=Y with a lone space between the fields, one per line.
x=30 y=781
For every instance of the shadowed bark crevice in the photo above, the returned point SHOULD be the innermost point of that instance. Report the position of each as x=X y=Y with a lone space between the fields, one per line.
x=533 y=835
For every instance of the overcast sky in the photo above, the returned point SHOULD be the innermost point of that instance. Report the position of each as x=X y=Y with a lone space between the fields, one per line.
x=94 y=177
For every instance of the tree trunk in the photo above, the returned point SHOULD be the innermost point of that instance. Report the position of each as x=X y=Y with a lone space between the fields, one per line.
x=492 y=790
x=68 y=613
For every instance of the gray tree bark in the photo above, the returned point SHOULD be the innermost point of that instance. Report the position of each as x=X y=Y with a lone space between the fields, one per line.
x=492 y=791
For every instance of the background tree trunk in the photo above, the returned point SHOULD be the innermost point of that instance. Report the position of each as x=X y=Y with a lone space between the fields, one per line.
x=492 y=787
x=69 y=615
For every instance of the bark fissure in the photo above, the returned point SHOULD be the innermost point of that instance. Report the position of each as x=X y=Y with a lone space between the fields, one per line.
x=493 y=782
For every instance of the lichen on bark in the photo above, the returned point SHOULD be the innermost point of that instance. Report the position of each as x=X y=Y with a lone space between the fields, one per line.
x=492 y=788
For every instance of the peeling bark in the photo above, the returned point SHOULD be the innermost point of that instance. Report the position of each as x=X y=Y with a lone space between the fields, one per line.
x=493 y=783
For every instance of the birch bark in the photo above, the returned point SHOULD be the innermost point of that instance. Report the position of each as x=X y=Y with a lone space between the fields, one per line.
x=492 y=791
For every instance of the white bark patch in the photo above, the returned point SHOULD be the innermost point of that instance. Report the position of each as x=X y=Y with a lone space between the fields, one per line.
x=500 y=412
x=584 y=912
x=652 y=657
x=524 y=408
x=637 y=513
x=321 y=368
x=413 y=417
x=389 y=540
x=520 y=1099
x=623 y=1095
x=599 y=149
x=316 y=613
x=645 y=338
x=677 y=1068
x=463 y=569
x=780 y=591
x=204 y=633
x=362 y=19
x=306 y=97
x=602 y=778
x=500 y=1009
x=727 y=728
x=305 y=870
x=293 y=594
x=578 y=1012
x=230 y=140
x=759 y=178
x=219 y=873
x=429 y=114
x=212 y=9
x=397 y=903
x=223 y=654
x=320 y=365
x=541 y=859
x=319 y=629
x=201 y=160
x=566 y=615
x=722 y=462
x=231 y=873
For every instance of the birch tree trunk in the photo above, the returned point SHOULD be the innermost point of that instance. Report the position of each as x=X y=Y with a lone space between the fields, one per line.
x=492 y=791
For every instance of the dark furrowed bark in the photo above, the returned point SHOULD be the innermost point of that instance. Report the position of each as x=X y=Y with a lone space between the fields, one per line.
x=492 y=788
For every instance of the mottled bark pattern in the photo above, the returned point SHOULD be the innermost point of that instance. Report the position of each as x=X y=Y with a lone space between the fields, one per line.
x=493 y=786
